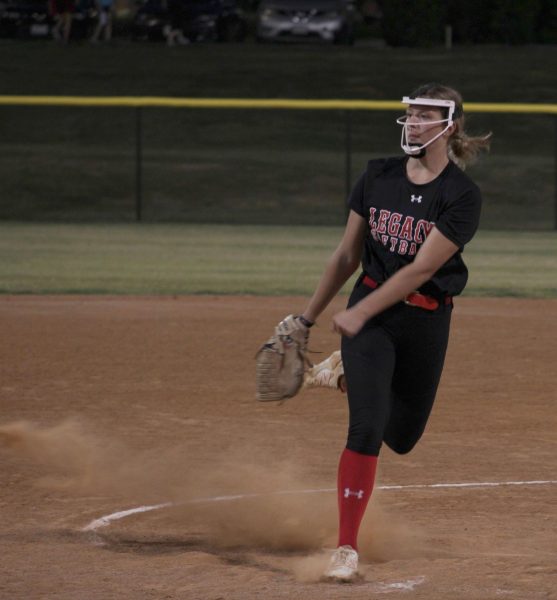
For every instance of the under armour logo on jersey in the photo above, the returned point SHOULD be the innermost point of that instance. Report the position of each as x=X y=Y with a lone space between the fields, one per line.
x=348 y=492
x=417 y=199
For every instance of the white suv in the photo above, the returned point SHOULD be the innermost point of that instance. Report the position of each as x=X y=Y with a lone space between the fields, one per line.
x=320 y=20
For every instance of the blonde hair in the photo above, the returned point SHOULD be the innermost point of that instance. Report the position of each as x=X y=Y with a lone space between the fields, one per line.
x=463 y=149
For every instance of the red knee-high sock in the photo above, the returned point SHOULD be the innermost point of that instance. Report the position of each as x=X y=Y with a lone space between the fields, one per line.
x=356 y=475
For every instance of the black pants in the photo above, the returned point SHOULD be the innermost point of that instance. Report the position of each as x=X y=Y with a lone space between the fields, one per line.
x=392 y=369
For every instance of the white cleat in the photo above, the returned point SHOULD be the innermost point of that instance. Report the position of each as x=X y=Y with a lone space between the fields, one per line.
x=343 y=566
x=329 y=373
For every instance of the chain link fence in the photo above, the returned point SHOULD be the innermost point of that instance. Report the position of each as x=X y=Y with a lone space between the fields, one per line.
x=245 y=164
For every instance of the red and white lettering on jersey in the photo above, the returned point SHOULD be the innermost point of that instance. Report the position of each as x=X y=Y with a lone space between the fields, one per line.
x=403 y=235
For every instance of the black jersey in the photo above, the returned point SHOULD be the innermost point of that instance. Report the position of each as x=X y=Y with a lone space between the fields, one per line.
x=400 y=215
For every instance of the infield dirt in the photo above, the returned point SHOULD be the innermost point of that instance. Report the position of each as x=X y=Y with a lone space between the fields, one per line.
x=112 y=403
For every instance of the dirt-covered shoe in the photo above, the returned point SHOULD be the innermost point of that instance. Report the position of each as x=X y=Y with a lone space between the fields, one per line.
x=344 y=565
x=329 y=373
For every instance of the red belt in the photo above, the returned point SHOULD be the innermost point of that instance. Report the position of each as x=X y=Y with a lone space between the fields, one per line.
x=414 y=298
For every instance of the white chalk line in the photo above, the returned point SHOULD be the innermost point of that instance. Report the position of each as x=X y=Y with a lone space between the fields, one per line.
x=107 y=519
x=405 y=586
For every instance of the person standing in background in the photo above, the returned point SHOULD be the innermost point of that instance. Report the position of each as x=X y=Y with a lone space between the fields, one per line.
x=104 y=25
x=62 y=12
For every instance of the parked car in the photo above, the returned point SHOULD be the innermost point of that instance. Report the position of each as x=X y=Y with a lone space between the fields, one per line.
x=212 y=20
x=32 y=19
x=319 y=20
x=24 y=18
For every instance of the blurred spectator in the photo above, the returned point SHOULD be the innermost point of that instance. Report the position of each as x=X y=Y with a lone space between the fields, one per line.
x=371 y=11
x=173 y=31
x=104 y=25
x=62 y=12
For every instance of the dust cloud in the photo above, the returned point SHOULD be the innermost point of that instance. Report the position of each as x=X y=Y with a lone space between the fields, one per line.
x=272 y=513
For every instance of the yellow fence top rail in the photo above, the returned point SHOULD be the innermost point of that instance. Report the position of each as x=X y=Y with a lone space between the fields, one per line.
x=162 y=102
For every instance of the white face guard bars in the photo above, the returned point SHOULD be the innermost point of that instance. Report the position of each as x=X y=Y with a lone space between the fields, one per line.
x=417 y=149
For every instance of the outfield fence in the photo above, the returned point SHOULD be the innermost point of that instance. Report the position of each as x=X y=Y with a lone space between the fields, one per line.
x=258 y=161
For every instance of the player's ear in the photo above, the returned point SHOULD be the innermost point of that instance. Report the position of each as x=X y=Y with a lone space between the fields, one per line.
x=450 y=130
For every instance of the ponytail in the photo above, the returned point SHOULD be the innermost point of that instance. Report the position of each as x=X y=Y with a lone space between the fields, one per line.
x=462 y=148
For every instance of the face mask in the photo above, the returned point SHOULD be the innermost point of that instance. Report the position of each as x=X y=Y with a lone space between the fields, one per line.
x=418 y=150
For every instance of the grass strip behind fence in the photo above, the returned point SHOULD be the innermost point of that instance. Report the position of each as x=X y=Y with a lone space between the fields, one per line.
x=227 y=259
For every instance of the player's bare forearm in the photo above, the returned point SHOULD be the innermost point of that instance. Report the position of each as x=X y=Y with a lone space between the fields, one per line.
x=343 y=262
x=350 y=321
x=433 y=254
x=337 y=272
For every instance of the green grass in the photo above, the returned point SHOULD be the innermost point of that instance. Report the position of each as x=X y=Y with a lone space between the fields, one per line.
x=232 y=259
x=513 y=264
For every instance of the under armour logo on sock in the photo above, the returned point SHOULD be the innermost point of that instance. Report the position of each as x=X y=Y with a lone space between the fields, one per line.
x=348 y=492
x=417 y=199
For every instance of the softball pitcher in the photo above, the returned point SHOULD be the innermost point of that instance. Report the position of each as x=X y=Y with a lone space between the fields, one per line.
x=410 y=218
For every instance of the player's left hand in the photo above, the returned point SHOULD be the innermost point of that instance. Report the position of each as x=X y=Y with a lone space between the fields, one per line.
x=348 y=322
